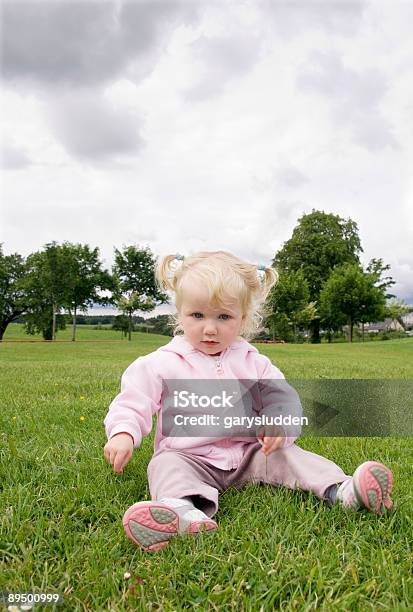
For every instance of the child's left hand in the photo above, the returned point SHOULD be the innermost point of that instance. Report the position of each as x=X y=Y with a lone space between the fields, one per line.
x=271 y=439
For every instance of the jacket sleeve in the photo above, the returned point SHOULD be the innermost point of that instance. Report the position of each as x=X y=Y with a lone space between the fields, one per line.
x=278 y=397
x=133 y=408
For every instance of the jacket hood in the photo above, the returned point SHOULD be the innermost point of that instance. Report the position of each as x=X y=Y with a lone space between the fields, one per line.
x=181 y=346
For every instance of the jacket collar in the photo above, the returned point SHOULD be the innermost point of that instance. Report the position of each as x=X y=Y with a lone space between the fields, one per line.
x=181 y=346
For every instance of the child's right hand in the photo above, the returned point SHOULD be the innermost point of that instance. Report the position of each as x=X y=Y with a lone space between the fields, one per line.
x=118 y=451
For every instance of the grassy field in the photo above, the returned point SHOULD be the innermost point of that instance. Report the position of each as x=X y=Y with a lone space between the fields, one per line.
x=61 y=504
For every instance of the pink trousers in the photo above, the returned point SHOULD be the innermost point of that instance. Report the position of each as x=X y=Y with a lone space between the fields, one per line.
x=179 y=474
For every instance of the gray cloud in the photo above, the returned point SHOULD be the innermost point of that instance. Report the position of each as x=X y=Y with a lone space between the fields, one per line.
x=290 y=176
x=13 y=157
x=288 y=18
x=87 y=42
x=284 y=175
x=69 y=50
x=354 y=97
x=221 y=59
x=89 y=128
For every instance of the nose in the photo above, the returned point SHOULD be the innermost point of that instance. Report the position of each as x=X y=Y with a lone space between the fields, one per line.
x=210 y=328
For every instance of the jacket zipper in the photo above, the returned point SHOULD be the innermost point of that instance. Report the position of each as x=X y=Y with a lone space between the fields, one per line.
x=218 y=366
x=220 y=373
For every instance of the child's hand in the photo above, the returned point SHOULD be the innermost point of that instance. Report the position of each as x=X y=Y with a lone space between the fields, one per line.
x=271 y=439
x=118 y=451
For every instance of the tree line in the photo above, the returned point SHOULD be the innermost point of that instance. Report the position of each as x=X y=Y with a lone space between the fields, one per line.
x=69 y=278
x=322 y=283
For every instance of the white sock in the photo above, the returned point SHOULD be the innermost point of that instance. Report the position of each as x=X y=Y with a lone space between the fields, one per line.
x=176 y=502
x=346 y=495
x=190 y=513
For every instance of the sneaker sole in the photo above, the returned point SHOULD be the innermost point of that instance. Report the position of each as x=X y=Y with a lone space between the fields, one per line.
x=152 y=525
x=373 y=483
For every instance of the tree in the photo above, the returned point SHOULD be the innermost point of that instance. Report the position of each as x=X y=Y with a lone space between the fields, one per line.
x=350 y=296
x=121 y=323
x=12 y=297
x=136 y=288
x=395 y=309
x=160 y=325
x=320 y=242
x=280 y=326
x=330 y=320
x=376 y=268
x=84 y=279
x=289 y=297
x=45 y=286
x=306 y=315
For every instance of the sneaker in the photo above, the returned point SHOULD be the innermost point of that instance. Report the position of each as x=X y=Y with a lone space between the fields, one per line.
x=152 y=524
x=369 y=488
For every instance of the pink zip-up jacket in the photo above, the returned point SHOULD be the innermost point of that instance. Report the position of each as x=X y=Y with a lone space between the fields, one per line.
x=141 y=395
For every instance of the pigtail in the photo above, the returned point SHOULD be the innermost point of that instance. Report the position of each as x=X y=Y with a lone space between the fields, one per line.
x=164 y=272
x=270 y=279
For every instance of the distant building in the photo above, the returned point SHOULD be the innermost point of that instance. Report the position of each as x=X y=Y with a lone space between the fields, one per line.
x=408 y=320
x=383 y=326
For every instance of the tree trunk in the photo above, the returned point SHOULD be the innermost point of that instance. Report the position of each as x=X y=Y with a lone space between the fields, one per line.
x=130 y=327
x=3 y=327
x=362 y=330
x=54 y=321
x=74 y=325
x=48 y=330
x=315 y=331
x=4 y=323
x=350 y=329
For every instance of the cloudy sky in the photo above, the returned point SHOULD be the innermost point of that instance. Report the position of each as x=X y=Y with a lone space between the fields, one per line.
x=187 y=125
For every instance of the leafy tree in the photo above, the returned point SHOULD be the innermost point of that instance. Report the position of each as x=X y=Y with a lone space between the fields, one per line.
x=136 y=288
x=350 y=296
x=376 y=267
x=160 y=325
x=121 y=323
x=329 y=319
x=320 y=242
x=45 y=290
x=84 y=279
x=12 y=298
x=395 y=309
x=280 y=326
x=40 y=320
x=306 y=315
x=289 y=297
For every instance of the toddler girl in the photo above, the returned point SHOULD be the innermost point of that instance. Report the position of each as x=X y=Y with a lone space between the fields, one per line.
x=218 y=299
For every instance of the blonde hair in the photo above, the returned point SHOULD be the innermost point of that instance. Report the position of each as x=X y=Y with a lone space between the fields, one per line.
x=227 y=278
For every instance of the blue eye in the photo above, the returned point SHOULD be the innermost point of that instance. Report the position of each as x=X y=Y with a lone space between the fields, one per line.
x=195 y=316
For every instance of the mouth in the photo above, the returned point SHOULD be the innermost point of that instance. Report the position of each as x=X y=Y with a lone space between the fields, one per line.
x=211 y=342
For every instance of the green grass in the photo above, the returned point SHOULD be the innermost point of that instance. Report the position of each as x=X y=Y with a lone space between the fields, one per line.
x=61 y=504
